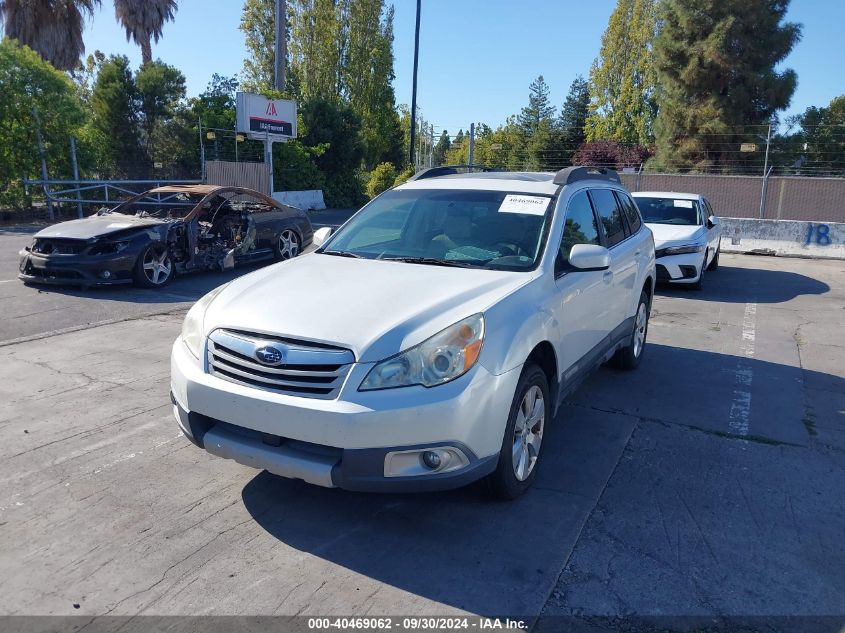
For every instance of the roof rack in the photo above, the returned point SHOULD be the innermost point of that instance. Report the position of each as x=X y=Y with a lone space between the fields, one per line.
x=573 y=174
x=447 y=170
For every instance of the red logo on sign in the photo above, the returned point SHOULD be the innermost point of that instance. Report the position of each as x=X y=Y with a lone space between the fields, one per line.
x=271 y=109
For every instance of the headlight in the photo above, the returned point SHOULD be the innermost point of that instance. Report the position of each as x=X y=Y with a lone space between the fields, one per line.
x=679 y=250
x=444 y=357
x=108 y=248
x=192 y=327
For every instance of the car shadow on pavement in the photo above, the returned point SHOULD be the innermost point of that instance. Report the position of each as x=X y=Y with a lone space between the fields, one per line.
x=731 y=284
x=462 y=549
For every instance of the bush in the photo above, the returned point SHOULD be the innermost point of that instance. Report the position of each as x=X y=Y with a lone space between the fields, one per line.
x=610 y=154
x=381 y=179
x=343 y=191
x=404 y=175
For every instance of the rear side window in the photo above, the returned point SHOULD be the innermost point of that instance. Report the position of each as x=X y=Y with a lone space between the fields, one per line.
x=580 y=226
x=609 y=214
x=631 y=211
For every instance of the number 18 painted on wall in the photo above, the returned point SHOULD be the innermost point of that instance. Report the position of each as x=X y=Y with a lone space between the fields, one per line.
x=822 y=234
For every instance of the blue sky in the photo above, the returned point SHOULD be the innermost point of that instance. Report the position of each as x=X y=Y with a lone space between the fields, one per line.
x=477 y=57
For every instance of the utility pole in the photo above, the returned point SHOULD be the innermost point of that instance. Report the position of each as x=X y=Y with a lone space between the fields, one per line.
x=202 y=151
x=471 y=141
x=768 y=142
x=43 y=163
x=75 y=166
x=281 y=45
x=766 y=171
x=414 y=89
x=431 y=145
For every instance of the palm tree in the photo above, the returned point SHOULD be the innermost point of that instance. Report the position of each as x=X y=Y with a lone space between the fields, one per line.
x=143 y=21
x=52 y=28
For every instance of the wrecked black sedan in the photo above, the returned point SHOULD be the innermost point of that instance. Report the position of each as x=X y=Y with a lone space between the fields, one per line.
x=163 y=232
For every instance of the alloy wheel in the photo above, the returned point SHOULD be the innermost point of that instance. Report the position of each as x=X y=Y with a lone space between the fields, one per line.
x=639 y=329
x=288 y=244
x=528 y=432
x=157 y=266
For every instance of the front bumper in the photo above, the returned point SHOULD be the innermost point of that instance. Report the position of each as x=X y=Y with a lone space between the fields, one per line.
x=84 y=270
x=679 y=269
x=344 y=442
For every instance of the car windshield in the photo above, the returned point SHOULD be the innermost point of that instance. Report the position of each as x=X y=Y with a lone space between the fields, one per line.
x=669 y=210
x=466 y=228
x=163 y=206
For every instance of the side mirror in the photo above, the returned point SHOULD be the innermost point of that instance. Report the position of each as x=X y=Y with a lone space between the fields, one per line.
x=588 y=257
x=712 y=221
x=321 y=235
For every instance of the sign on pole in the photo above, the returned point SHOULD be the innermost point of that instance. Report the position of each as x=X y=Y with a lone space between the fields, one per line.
x=748 y=147
x=262 y=118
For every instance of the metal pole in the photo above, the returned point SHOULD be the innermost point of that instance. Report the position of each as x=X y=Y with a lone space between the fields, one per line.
x=414 y=89
x=763 y=191
x=268 y=149
x=202 y=151
x=75 y=167
x=281 y=45
x=471 y=141
x=768 y=142
x=431 y=146
x=44 y=177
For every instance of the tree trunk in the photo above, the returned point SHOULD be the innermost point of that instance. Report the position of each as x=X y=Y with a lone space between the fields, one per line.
x=146 y=50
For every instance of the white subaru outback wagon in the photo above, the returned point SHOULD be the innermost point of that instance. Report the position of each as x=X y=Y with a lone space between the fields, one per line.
x=430 y=341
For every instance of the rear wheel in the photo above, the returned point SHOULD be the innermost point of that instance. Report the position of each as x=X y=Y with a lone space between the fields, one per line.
x=523 y=440
x=288 y=245
x=629 y=356
x=154 y=267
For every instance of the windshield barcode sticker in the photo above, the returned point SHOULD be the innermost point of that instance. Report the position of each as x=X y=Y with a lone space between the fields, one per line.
x=686 y=204
x=530 y=205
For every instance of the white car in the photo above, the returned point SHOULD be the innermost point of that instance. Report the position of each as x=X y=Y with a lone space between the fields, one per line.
x=687 y=235
x=428 y=342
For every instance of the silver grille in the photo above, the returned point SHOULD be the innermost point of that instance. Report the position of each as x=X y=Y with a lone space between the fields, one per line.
x=308 y=370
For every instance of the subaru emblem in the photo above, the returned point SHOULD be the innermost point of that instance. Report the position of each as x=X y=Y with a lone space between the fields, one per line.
x=269 y=355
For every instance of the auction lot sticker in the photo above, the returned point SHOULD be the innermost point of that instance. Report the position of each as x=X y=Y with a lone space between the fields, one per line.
x=529 y=205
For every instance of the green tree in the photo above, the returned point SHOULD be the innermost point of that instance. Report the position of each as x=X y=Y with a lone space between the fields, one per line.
x=573 y=118
x=144 y=21
x=623 y=78
x=823 y=138
x=441 y=148
x=258 y=24
x=318 y=38
x=161 y=88
x=216 y=106
x=381 y=179
x=718 y=67
x=52 y=29
x=539 y=107
x=30 y=87
x=115 y=105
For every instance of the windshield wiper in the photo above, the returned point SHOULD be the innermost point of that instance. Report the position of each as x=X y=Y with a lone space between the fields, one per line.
x=431 y=261
x=343 y=254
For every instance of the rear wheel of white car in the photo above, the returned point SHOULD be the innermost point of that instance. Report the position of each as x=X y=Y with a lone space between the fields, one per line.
x=523 y=440
x=154 y=267
x=629 y=356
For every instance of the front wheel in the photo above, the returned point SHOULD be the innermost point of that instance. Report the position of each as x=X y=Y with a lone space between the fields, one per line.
x=288 y=245
x=154 y=267
x=523 y=440
x=714 y=263
x=629 y=357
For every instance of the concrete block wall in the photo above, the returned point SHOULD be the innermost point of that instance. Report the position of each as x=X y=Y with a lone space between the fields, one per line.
x=789 y=238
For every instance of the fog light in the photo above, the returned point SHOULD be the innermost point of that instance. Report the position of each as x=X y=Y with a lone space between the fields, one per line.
x=105 y=274
x=431 y=460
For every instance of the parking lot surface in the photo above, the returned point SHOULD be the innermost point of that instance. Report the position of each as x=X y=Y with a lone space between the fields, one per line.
x=708 y=482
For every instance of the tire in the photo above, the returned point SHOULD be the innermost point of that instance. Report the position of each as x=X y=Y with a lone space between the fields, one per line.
x=699 y=284
x=288 y=245
x=714 y=264
x=154 y=267
x=515 y=472
x=629 y=357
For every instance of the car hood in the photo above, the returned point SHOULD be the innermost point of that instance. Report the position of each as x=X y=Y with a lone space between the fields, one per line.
x=671 y=233
x=375 y=308
x=96 y=226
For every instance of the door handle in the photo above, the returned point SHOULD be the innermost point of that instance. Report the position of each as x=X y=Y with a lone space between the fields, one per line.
x=637 y=253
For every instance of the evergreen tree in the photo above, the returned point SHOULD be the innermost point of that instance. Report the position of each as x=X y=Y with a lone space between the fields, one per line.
x=717 y=61
x=443 y=145
x=538 y=108
x=573 y=118
x=258 y=24
x=823 y=136
x=115 y=104
x=161 y=87
x=623 y=77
